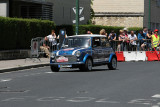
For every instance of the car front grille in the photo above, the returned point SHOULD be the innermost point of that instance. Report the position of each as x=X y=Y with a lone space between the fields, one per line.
x=71 y=59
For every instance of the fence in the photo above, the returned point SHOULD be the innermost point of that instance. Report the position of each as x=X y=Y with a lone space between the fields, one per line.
x=138 y=50
x=136 y=45
x=39 y=47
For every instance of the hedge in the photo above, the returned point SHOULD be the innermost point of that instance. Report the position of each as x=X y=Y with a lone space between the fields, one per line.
x=95 y=29
x=16 y=33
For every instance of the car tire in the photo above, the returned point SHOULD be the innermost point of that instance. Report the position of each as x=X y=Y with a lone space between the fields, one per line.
x=55 y=68
x=113 y=64
x=87 y=66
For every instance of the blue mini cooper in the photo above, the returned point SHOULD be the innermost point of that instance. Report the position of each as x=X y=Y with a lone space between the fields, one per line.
x=84 y=52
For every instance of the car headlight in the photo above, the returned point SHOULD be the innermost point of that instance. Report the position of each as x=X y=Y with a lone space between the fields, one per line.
x=78 y=54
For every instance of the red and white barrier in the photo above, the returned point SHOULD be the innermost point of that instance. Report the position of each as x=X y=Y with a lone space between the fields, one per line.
x=138 y=56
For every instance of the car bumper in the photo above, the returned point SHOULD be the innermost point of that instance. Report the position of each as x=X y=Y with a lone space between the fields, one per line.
x=68 y=63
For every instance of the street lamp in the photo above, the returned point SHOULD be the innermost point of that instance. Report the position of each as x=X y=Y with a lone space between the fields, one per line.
x=77 y=16
x=149 y=15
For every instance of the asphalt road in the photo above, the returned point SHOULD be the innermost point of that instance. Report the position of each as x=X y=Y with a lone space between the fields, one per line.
x=133 y=84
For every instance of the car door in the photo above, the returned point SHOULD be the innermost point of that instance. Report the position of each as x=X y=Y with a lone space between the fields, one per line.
x=96 y=49
x=107 y=50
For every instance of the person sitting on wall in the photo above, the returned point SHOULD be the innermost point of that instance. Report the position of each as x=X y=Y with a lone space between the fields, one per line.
x=45 y=46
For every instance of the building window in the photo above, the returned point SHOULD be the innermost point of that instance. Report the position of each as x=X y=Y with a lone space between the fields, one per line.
x=158 y=3
x=36 y=11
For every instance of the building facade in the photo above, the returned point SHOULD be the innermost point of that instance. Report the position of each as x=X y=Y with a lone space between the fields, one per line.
x=127 y=13
x=59 y=11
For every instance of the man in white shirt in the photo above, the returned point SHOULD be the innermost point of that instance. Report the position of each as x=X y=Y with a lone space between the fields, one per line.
x=132 y=37
x=52 y=40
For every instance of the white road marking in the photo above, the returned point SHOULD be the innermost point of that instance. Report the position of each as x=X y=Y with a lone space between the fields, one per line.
x=156 y=96
x=5 y=80
x=155 y=106
x=49 y=72
x=50 y=99
x=142 y=101
x=80 y=99
x=106 y=101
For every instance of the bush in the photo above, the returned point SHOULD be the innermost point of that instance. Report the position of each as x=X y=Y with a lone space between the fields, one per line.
x=95 y=29
x=16 y=33
x=136 y=29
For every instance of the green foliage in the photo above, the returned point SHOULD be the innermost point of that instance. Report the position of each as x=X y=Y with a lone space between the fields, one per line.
x=16 y=33
x=95 y=29
x=136 y=29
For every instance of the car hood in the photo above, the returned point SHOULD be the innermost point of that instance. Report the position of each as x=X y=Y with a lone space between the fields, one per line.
x=69 y=51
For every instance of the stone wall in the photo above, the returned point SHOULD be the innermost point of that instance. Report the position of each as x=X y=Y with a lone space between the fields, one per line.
x=119 y=21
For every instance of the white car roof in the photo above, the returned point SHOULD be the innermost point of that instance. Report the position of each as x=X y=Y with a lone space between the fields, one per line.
x=88 y=35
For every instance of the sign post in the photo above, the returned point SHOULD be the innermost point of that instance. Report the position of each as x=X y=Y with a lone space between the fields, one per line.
x=77 y=17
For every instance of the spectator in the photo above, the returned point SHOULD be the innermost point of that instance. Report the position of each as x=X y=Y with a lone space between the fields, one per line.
x=148 y=37
x=132 y=38
x=103 y=32
x=112 y=39
x=145 y=31
x=122 y=40
x=45 y=47
x=155 y=40
x=126 y=35
x=89 y=32
x=141 y=38
x=52 y=38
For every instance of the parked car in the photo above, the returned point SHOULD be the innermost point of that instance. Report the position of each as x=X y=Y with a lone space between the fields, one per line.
x=84 y=52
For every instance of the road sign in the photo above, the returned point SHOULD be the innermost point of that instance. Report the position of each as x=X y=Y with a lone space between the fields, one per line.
x=80 y=12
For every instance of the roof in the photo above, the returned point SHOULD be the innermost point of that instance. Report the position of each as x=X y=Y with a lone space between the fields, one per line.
x=88 y=35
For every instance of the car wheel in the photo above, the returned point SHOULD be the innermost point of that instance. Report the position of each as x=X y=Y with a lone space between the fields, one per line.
x=88 y=65
x=55 y=68
x=113 y=64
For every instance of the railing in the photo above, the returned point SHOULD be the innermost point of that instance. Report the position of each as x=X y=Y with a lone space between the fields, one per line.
x=136 y=45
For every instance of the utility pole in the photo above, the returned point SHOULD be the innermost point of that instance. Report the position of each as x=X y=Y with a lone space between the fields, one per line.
x=149 y=15
x=77 y=17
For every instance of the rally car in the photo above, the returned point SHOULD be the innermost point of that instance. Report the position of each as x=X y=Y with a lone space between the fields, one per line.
x=84 y=52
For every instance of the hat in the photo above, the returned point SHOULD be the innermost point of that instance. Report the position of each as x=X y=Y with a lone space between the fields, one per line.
x=125 y=29
x=156 y=30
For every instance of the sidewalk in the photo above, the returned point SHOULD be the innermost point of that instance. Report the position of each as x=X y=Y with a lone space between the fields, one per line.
x=19 y=64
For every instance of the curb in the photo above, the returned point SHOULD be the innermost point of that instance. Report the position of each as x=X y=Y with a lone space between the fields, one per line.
x=23 y=67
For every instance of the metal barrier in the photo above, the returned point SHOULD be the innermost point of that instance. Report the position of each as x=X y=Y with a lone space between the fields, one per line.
x=38 y=48
x=137 y=45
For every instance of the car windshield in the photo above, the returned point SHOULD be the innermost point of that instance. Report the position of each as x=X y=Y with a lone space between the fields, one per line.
x=77 y=42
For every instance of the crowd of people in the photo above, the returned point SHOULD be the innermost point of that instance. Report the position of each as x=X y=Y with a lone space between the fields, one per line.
x=145 y=40
x=125 y=41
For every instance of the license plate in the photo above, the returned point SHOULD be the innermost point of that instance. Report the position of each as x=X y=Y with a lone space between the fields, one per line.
x=62 y=59
x=66 y=66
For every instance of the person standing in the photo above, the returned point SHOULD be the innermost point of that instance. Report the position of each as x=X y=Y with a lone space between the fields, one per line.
x=52 y=38
x=127 y=41
x=132 y=38
x=112 y=39
x=141 y=38
x=122 y=40
x=148 y=37
x=103 y=32
x=155 y=40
